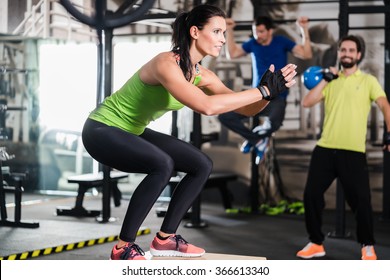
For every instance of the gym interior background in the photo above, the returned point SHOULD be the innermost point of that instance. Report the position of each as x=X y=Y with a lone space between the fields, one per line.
x=49 y=84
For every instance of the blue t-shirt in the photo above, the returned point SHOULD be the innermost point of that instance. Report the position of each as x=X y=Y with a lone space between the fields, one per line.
x=263 y=56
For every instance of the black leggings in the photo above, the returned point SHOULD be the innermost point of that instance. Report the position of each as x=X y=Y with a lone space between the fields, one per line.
x=158 y=155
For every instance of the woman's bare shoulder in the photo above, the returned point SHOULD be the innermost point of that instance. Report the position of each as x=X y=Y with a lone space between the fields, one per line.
x=163 y=57
x=159 y=66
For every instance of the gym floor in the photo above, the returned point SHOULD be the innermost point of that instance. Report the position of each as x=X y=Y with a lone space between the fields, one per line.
x=276 y=237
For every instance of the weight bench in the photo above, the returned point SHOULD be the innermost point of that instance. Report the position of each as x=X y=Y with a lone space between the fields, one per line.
x=216 y=180
x=17 y=189
x=92 y=180
x=220 y=180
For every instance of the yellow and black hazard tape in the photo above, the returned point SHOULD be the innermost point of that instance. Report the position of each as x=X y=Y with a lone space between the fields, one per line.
x=67 y=247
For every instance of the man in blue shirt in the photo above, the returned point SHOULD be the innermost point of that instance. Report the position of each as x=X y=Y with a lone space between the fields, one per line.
x=266 y=49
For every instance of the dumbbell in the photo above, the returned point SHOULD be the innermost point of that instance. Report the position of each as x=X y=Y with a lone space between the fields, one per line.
x=314 y=74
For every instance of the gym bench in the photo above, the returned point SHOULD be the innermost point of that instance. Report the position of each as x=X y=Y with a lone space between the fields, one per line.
x=92 y=180
x=216 y=180
x=17 y=189
x=219 y=180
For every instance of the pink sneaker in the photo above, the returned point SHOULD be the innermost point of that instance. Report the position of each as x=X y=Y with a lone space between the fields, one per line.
x=174 y=246
x=128 y=252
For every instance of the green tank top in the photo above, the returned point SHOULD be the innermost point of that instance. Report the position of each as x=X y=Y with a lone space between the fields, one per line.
x=135 y=105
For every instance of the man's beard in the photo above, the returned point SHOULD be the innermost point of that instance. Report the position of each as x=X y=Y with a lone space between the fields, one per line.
x=348 y=65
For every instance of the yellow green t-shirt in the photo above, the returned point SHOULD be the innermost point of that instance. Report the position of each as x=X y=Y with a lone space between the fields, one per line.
x=347 y=103
x=135 y=105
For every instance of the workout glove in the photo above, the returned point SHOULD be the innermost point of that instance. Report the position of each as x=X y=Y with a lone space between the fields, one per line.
x=328 y=76
x=275 y=83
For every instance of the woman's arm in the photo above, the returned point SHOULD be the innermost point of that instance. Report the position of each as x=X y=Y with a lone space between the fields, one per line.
x=212 y=97
x=212 y=85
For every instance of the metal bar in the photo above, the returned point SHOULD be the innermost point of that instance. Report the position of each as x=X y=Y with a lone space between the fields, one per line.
x=3 y=209
x=247 y=25
x=339 y=231
x=367 y=27
x=368 y=9
x=310 y=19
x=125 y=6
x=196 y=138
x=254 y=182
x=18 y=200
x=274 y=3
x=340 y=208
x=104 y=90
x=386 y=155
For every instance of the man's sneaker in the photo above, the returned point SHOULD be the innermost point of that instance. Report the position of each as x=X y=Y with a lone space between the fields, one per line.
x=311 y=250
x=174 y=246
x=246 y=147
x=261 y=148
x=368 y=253
x=128 y=252
x=263 y=128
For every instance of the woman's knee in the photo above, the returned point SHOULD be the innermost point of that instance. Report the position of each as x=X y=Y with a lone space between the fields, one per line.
x=206 y=165
x=199 y=164
x=209 y=163
x=165 y=167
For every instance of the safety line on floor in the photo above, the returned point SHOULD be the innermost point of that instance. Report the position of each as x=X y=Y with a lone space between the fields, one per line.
x=68 y=247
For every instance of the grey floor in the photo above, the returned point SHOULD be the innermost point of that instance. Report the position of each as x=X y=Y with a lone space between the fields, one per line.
x=273 y=237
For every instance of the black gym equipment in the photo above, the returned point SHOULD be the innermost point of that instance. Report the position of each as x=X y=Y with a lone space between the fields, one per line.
x=17 y=189
x=386 y=155
x=4 y=134
x=105 y=21
x=87 y=181
x=10 y=182
x=6 y=90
